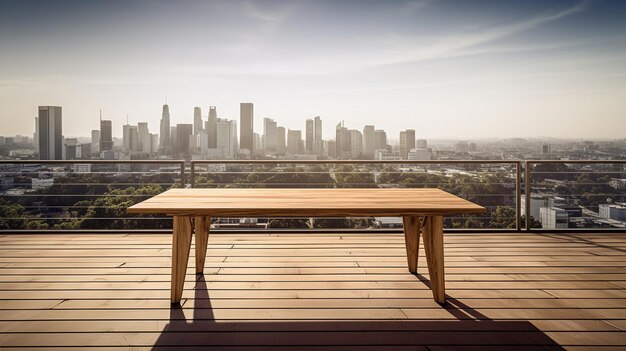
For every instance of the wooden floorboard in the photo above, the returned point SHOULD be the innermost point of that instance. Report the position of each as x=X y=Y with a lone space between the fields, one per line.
x=318 y=291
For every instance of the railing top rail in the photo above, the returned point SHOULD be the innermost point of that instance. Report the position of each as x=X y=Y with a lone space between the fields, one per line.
x=577 y=161
x=356 y=161
x=177 y=162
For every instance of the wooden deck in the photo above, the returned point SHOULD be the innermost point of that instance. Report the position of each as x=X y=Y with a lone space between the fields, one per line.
x=314 y=292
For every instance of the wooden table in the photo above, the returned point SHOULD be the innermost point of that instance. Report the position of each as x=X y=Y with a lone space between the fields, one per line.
x=422 y=211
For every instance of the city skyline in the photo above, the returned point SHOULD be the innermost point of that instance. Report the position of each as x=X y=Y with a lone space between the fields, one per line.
x=548 y=69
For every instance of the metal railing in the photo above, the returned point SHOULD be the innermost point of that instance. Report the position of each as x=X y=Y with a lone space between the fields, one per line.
x=93 y=194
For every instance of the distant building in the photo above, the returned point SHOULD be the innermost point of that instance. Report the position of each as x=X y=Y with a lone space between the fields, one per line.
x=130 y=137
x=356 y=143
x=50 y=133
x=211 y=127
x=546 y=149
x=197 y=120
x=95 y=141
x=472 y=147
x=270 y=136
x=166 y=136
x=611 y=211
x=421 y=144
x=461 y=147
x=318 y=142
x=227 y=144
x=380 y=139
x=183 y=133
x=246 y=120
x=106 y=135
x=553 y=218
x=281 y=140
x=144 y=139
x=407 y=142
x=69 y=149
x=309 y=136
x=343 y=143
x=294 y=142
x=419 y=154
x=369 y=140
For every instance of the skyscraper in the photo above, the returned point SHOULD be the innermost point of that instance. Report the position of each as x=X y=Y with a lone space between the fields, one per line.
x=342 y=141
x=197 y=120
x=183 y=132
x=106 y=135
x=309 y=136
x=369 y=137
x=211 y=127
x=269 y=135
x=318 y=144
x=407 y=142
x=281 y=140
x=144 y=137
x=246 y=120
x=294 y=140
x=130 y=138
x=380 y=139
x=50 y=133
x=95 y=141
x=356 y=143
x=166 y=141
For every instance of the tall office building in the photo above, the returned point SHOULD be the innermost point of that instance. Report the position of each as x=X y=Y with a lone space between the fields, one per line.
x=36 y=134
x=95 y=141
x=269 y=135
x=144 y=137
x=50 y=121
x=130 y=137
x=309 y=136
x=380 y=139
x=183 y=132
x=407 y=142
x=106 y=135
x=421 y=144
x=369 y=137
x=246 y=120
x=281 y=140
x=318 y=143
x=197 y=120
x=166 y=137
x=294 y=141
x=342 y=141
x=211 y=127
x=226 y=138
x=356 y=143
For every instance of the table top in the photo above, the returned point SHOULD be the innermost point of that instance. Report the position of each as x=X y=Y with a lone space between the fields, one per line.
x=316 y=202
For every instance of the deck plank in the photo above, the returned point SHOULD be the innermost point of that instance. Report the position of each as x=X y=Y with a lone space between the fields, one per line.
x=321 y=291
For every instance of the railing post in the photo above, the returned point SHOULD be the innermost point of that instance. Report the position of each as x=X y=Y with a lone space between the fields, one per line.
x=518 y=195
x=192 y=174
x=527 y=193
x=182 y=174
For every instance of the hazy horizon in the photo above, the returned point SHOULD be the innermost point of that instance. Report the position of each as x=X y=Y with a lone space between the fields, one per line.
x=448 y=69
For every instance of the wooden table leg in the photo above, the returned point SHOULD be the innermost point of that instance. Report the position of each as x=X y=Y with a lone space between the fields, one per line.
x=202 y=239
x=412 y=232
x=181 y=244
x=433 y=245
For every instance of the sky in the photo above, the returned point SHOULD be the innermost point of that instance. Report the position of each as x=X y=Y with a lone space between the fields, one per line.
x=448 y=69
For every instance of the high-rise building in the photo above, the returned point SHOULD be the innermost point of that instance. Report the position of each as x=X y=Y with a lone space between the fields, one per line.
x=106 y=135
x=472 y=147
x=294 y=140
x=197 y=120
x=144 y=137
x=50 y=133
x=166 y=136
x=421 y=144
x=183 y=132
x=342 y=142
x=130 y=137
x=246 y=120
x=227 y=138
x=546 y=149
x=269 y=135
x=369 y=137
x=173 y=138
x=318 y=143
x=461 y=147
x=309 y=136
x=211 y=127
x=95 y=141
x=281 y=140
x=356 y=143
x=407 y=142
x=380 y=139
x=36 y=134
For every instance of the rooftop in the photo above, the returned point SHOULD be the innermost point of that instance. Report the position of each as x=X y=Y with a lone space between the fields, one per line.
x=509 y=291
